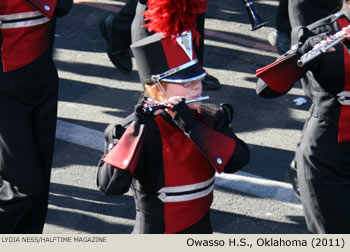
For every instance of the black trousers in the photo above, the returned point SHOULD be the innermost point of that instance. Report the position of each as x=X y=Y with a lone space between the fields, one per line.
x=282 y=18
x=123 y=19
x=324 y=176
x=28 y=112
x=122 y=24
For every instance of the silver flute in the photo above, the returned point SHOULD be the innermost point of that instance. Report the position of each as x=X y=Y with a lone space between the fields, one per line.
x=152 y=108
x=320 y=48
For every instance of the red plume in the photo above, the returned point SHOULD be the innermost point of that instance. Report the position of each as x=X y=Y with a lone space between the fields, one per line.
x=172 y=17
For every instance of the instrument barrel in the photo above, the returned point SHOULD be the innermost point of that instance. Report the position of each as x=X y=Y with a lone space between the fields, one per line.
x=152 y=108
x=254 y=17
x=323 y=46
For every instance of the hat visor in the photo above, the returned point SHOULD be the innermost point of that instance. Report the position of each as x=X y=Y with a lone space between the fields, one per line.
x=191 y=73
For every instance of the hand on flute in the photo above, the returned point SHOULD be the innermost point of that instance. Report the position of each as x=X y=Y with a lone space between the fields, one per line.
x=151 y=105
x=316 y=45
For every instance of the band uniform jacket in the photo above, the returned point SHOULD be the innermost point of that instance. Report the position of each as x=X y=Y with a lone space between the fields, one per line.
x=28 y=109
x=173 y=180
x=323 y=154
x=24 y=21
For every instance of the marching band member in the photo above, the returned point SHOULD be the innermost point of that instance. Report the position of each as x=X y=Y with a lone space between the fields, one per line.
x=28 y=109
x=323 y=155
x=173 y=154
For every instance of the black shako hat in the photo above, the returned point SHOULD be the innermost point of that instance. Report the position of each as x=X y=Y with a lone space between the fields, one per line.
x=170 y=59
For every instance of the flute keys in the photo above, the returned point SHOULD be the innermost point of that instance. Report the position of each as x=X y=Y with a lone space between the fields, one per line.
x=344 y=97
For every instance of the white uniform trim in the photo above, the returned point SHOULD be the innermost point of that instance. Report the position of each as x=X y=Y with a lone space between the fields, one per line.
x=161 y=76
x=179 y=81
x=37 y=19
x=22 y=15
x=183 y=193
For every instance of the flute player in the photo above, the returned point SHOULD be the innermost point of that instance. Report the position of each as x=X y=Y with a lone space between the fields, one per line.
x=323 y=155
x=170 y=156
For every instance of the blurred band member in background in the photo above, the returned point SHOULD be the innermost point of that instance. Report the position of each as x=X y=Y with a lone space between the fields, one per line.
x=28 y=110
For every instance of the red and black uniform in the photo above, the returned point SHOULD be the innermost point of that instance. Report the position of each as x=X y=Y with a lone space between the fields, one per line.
x=323 y=155
x=28 y=110
x=305 y=12
x=173 y=179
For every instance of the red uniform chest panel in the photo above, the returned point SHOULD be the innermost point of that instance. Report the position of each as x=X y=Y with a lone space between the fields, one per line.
x=344 y=117
x=181 y=215
x=184 y=164
x=27 y=39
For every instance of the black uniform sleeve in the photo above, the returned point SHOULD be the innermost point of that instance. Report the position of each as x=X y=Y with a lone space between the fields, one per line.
x=241 y=155
x=110 y=180
x=123 y=150
x=281 y=74
x=277 y=78
x=327 y=65
x=215 y=138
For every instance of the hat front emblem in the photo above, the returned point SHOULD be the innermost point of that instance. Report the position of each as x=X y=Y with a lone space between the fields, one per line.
x=185 y=41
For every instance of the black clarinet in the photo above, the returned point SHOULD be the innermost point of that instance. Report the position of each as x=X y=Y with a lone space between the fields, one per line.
x=255 y=19
x=152 y=108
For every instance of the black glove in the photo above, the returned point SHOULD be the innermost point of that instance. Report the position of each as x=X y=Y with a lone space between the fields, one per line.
x=184 y=118
x=139 y=113
x=311 y=42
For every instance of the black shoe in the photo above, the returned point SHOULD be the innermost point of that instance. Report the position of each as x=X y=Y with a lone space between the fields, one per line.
x=210 y=83
x=121 y=58
x=280 y=40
